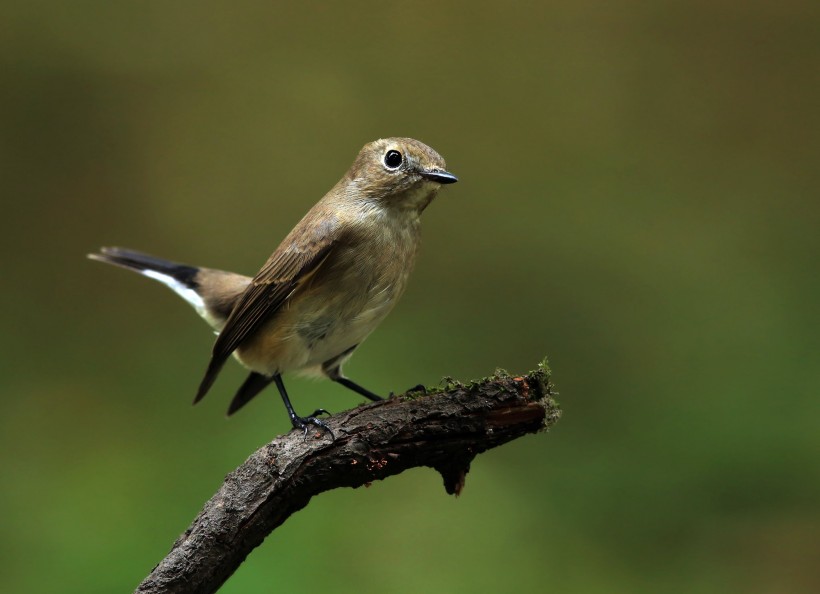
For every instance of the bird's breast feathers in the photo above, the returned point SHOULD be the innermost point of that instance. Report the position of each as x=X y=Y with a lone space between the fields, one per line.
x=341 y=304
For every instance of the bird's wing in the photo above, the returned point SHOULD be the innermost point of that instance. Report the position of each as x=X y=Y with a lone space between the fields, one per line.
x=284 y=272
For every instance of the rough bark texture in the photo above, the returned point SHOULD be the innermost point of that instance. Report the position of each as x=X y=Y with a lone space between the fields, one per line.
x=444 y=430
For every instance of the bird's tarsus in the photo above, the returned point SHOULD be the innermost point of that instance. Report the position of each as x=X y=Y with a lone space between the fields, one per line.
x=297 y=421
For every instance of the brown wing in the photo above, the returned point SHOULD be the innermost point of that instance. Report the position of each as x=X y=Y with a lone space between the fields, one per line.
x=266 y=294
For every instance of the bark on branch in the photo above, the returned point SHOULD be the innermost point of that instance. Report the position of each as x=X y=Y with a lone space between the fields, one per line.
x=443 y=429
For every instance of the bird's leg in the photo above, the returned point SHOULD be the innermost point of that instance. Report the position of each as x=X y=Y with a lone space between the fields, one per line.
x=357 y=388
x=297 y=421
x=333 y=370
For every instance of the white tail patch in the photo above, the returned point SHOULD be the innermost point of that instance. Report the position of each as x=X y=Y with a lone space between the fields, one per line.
x=187 y=293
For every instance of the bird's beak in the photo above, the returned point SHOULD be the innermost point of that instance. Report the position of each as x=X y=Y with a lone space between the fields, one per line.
x=439 y=176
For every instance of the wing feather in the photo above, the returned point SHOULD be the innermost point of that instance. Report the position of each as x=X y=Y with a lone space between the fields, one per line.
x=287 y=268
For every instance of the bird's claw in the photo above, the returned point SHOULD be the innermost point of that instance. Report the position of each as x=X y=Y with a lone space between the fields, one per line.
x=304 y=423
x=417 y=388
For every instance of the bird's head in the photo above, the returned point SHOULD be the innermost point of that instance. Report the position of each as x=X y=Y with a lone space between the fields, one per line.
x=398 y=172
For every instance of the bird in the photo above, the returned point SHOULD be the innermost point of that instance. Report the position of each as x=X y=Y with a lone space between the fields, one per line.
x=325 y=288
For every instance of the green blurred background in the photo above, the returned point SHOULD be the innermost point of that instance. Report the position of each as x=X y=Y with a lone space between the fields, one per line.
x=638 y=201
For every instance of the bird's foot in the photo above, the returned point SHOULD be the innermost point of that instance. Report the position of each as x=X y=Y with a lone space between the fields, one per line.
x=416 y=388
x=304 y=423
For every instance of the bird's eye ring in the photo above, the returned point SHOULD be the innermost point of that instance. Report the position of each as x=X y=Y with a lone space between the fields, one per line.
x=392 y=159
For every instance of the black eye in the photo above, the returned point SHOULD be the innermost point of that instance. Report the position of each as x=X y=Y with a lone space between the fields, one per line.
x=392 y=159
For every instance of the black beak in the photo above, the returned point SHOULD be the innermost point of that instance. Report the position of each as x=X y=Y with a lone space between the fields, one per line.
x=439 y=176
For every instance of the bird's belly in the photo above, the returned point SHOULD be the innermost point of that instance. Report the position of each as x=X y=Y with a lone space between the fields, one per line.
x=337 y=309
x=316 y=329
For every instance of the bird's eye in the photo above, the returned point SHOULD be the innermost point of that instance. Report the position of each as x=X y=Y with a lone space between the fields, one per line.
x=392 y=159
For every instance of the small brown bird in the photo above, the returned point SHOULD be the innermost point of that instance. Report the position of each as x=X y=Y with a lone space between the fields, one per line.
x=327 y=286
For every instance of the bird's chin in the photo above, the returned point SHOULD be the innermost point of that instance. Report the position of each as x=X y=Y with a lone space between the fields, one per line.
x=422 y=194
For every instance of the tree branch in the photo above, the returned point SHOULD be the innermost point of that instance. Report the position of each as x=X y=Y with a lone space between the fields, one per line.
x=443 y=429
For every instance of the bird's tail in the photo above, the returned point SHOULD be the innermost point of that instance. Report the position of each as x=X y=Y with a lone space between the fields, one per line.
x=180 y=278
x=145 y=263
x=212 y=293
